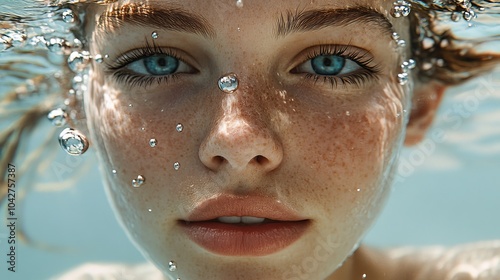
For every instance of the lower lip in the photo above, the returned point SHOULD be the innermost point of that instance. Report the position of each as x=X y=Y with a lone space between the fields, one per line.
x=244 y=240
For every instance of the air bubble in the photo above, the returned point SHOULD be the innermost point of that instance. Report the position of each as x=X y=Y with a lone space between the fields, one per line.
x=77 y=61
x=153 y=142
x=57 y=117
x=172 y=266
x=469 y=15
x=403 y=78
x=401 y=8
x=179 y=127
x=228 y=83
x=154 y=35
x=98 y=58
x=56 y=45
x=455 y=16
x=73 y=142
x=138 y=181
x=239 y=3
x=68 y=16
x=177 y=165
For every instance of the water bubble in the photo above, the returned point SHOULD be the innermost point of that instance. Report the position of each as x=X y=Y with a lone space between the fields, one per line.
x=153 y=142
x=179 y=127
x=358 y=190
x=73 y=142
x=57 y=117
x=177 y=165
x=408 y=65
x=138 y=181
x=37 y=40
x=455 y=16
x=403 y=78
x=239 y=3
x=77 y=61
x=172 y=266
x=113 y=171
x=98 y=58
x=469 y=15
x=401 y=43
x=68 y=16
x=154 y=35
x=56 y=44
x=395 y=36
x=228 y=83
x=150 y=210
x=401 y=8
x=106 y=56
x=363 y=276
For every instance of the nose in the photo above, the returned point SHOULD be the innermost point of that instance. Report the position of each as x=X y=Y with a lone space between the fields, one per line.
x=240 y=139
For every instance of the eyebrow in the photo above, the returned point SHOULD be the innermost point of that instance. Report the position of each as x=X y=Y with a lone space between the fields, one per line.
x=301 y=21
x=169 y=18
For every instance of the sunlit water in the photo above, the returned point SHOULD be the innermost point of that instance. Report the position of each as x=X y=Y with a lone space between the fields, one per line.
x=446 y=191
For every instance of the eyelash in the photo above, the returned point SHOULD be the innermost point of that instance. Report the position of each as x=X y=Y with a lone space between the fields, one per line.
x=360 y=57
x=128 y=77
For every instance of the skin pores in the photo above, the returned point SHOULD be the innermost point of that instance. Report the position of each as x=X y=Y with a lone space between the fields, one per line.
x=324 y=149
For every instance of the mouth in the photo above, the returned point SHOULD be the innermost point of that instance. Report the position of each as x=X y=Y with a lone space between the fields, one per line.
x=243 y=226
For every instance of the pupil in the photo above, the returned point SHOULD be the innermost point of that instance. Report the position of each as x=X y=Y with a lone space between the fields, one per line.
x=327 y=61
x=162 y=62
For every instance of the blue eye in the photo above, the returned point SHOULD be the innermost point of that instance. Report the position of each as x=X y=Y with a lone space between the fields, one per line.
x=158 y=65
x=161 y=64
x=328 y=65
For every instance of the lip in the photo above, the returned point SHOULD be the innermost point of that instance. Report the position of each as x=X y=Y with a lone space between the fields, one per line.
x=286 y=227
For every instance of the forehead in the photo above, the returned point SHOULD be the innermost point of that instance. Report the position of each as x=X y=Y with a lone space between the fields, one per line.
x=205 y=17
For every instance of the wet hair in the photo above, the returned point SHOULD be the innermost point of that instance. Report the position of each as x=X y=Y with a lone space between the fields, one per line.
x=441 y=56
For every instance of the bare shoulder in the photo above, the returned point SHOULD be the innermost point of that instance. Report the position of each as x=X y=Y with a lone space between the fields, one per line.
x=111 y=271
x=476 y=261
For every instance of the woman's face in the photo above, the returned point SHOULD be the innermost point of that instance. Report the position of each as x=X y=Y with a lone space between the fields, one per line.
x=307 y=140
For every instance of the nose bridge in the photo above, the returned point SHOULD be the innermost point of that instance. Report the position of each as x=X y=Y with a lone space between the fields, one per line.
x=241 y=136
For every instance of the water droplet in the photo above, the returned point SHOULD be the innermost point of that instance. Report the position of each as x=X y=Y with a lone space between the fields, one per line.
x=469 y=15
x=347 y=113
x=153 y=142
x=57 y=117
x=106 y=56
x=395 y=36
x=73 y=142
x=55 y=44
x=358 y=190
x=239 y=3
x=408 y=65
x=154 y=35
x=68 y=16
x=113 y=171
x=172 y=266
x=77 y=61
x=403 y=78
x=179 y=127
x=150 y=210
x=138 y=181
x=401 y=43
x=228 y=83
x=401 y=8
x=177 y=165
x=363 y=276
x=98 y=58
x=455 y=16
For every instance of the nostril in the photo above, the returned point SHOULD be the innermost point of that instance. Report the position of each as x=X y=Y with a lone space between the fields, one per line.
x=261 y=160
x=218 y=160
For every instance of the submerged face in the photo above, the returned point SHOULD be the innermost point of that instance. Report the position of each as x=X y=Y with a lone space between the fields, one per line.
x=307 y=140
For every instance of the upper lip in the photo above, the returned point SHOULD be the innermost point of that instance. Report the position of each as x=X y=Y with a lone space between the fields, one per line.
x=232 y=205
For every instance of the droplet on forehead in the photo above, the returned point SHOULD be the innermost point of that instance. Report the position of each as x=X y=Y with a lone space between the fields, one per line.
x=401 y=8
x=172 y=266
x=57 y=117
x=228 y=83
x=179 y=127
x=239 y=3
x=403 y=78
x=77 y=61
x=98 y=58
x=154 y=35
x=153 y=142
x=138 y=181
